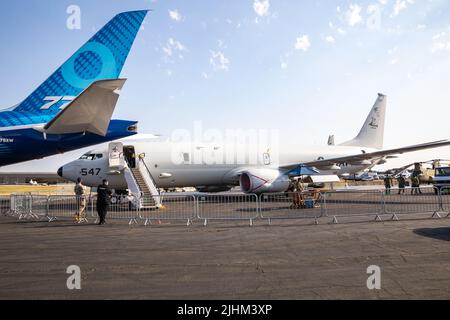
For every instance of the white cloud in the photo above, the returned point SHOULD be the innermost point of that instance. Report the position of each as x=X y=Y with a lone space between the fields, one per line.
x=303 y=43
x=218 y=61
x=330 y=39
x=401 y=5
x=172 y=46
x=261 y=7
x=175 y=15
x=353 y=15
x=441 y=42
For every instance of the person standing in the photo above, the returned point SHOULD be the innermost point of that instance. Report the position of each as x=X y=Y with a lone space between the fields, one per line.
x=103 y=201
x=415 y=181
x=401 y=184
x=388 y=184
x=300 y=189
x=80 y=194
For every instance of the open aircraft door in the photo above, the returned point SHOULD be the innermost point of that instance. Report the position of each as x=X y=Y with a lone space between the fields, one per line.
x=115 y=156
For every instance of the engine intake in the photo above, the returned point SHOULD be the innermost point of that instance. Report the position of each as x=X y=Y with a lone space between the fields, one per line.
x=263 y=181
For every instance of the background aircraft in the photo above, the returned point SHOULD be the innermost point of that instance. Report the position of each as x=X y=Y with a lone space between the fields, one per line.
x=144 y=166
x=73 y=107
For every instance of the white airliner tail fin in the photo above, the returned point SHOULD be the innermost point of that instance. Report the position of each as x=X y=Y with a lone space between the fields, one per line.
x=372 y=132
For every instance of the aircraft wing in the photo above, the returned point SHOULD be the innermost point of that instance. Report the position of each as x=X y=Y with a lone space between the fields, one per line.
x=91 y=111
x=369 y=156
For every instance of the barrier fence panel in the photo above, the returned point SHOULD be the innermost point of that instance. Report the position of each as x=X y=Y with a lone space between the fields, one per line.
x=39 y=206
x=62 y=207
x=227 y=207
x=444 y=193
x=174 y=208
x=412 y=201
x=21 y=205
x=121 y=208
x=291 y=205
x=5 y=205
x=352 y=203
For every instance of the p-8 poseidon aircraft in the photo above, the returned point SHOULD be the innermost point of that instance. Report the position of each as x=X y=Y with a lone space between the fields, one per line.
x=143 y=166
x=73 y=107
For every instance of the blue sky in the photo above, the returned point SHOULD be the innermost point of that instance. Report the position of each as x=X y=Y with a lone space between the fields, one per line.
x=305 y=68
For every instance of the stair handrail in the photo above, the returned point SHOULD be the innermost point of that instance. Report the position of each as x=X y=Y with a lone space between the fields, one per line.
x=149 y=172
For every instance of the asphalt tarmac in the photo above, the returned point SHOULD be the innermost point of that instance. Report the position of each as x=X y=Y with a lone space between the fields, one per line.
x=225 y=261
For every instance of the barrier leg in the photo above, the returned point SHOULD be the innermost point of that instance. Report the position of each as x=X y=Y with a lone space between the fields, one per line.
x=436 y=215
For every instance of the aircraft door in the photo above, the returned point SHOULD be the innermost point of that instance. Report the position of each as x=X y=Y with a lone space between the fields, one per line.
x=267 y=159
x=115 y=154
x=130 y=156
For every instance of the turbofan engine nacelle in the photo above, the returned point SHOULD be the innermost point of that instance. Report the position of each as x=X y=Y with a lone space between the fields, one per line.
x=264 y=181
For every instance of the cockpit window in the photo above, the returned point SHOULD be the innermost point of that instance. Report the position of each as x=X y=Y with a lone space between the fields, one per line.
x=91 y=156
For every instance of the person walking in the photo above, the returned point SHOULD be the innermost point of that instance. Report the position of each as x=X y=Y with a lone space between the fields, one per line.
x=103 y=201
x=401 y=184
x=80 y=194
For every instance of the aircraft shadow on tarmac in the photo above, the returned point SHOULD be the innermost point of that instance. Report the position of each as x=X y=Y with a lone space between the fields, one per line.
x=434 y=233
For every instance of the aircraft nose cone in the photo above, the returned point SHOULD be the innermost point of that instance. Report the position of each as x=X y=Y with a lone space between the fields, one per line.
x=60 y=172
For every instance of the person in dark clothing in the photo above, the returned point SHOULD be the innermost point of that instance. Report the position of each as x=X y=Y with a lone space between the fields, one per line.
x=103 y=201
x=388 y=184
x=401 y=184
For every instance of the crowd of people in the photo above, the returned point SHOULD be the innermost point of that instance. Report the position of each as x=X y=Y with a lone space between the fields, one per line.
x=401 y=180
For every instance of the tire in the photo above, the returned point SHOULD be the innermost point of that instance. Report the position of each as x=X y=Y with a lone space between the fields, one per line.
x=114 y=200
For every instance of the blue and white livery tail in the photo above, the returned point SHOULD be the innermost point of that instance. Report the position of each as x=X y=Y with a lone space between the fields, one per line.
x=102 y=57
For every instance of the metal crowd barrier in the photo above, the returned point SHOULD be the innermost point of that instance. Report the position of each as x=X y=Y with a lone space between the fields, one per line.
x=291 y=205
x=39 y=207
x=412 y=201
x=444 y=193
x=175 y=208
x=121 y=208
x=62 y=207
x=21 y=205
x=227 y=207
x=354 y=203
x=5 y=205
x=205 y=207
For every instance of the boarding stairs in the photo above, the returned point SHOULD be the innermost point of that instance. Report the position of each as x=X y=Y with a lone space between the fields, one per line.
x=141 y=184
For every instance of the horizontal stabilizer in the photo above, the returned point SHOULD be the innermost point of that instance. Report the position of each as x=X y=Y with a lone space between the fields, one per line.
x=91 y=111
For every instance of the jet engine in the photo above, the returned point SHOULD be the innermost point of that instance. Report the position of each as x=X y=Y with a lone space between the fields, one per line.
x=264 y=181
